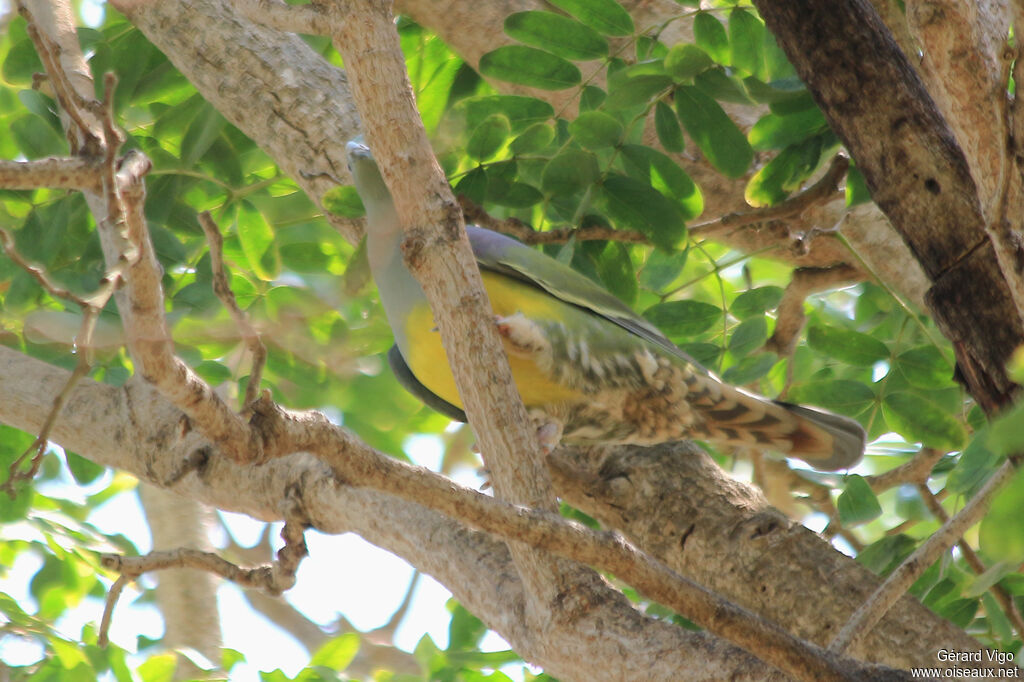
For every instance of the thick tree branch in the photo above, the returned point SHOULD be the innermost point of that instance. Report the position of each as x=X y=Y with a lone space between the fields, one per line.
x=134 y=429
x=916 y=173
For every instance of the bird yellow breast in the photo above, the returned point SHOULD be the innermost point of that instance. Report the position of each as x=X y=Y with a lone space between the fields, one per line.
x=508 y=296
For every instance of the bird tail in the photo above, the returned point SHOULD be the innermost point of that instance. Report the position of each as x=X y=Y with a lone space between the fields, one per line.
x=824 y=440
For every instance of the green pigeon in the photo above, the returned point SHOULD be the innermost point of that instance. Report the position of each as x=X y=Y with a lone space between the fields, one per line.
x=588 y=368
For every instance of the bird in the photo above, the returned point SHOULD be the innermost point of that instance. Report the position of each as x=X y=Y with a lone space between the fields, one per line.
x=588 y=368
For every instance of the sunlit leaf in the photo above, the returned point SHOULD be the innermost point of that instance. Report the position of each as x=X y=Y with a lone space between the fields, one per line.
x=666 y=124
x=529 y=66
x=639 y=206
x=488 y=138
x=857 y=503
x=683 y=318
x=922 y=420
x=596 y=130
x=713 y=131
x=569 y=172
x=847 y=345
x=557 y=34
x=711 y=37
x=606 y=16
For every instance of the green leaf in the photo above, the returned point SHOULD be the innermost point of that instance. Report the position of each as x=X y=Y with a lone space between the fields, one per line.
x=517 y=195
x=710 y=36
x=851 y=347
x=661 y=269
x=637 y=205
x=337 y=653
x=1002 y=529
x=592 y=97
x=841 y=395
x=21 y=63
x=750 y=368
x=975 y=464
x=606 y=16
x=343 y=201
x=522 y=112
x=201 y=133
x=856 y=188
x=84 y=470
x=685 y=60
x=596 y=130
x=473 y=185
x=857 y=503
x=666 y=124
x=665 y=175
x=464 y=629
x=159 y=668
x=557 y=34
x=616 y=271
x=1006 y=432
x=713 y=131
x=36 y=139
x=569 y=172
x=626 y=93
x=773 y=131
x=256 y=238
x=925 y=367
x=920 y=419
x=529 y=66
x=749 y=335
x=488 y=137
x=756 y=302
x=533 y=139
x=884 y=556
x=683 y=318
x=43 y=107
x=746 y=37
x=960 y=612
x=783 y=174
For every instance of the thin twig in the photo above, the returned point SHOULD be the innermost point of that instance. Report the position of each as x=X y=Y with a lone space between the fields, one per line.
x=823 y=190
x=790 y=318
x=900 y=580
x=528 y=235
x=916 y=471
x=273 y=578
x=222 y=289
x=91 y=307
x=67 y=97
x=1004 y=598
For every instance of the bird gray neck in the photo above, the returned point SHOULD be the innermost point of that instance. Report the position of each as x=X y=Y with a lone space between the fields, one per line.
x=399 y=291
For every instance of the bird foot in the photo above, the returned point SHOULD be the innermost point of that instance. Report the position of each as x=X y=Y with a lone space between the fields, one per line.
x=549 y=431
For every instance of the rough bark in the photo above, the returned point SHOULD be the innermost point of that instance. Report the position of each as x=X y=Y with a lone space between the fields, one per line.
x=917 y=174
x=726 y=536
x=654 y=495
x=135 y=430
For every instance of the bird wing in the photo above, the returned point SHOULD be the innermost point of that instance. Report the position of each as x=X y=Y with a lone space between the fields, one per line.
x=505 y=255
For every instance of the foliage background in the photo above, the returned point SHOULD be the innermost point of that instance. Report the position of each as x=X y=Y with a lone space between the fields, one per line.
x=605 y=160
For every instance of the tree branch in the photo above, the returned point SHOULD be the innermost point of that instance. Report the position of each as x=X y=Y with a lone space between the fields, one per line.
x=222 y=289
x=284 y=17
x=900 y=580
x=73 y=173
